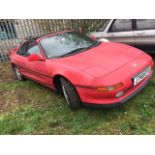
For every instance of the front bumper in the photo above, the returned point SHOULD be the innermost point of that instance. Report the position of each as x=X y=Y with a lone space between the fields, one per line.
x=119 y=101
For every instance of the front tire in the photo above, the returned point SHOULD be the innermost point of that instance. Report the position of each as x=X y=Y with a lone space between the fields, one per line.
x=70 y=94
x=18 y=74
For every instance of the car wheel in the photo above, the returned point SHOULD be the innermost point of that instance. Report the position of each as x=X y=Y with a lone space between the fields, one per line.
x=70 y=94
x=19 y=76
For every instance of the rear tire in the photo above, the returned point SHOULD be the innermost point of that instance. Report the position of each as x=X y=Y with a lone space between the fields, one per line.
x=18 y=74
x=70 y=94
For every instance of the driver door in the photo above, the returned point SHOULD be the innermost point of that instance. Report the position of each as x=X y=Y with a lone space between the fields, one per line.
x=38 y=70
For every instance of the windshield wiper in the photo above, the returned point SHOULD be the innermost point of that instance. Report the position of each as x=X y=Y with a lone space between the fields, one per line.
x=94 y=44
x=75 y=51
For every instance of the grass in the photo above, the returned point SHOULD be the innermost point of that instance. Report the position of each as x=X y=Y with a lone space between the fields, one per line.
x=29 y=108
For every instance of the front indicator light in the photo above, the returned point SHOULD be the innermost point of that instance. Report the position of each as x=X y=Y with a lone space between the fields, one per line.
x=119 y=94
x=110 y=88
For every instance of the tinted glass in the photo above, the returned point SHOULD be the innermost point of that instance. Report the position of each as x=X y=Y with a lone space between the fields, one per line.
x=33 y=49
x=65 y=43
x=23 y=48
x=122 y=25
x=29 y=48
x=145 y=24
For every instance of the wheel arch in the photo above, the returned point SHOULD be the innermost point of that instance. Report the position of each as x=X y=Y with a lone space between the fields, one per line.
x=57 y=82
x=13 y=65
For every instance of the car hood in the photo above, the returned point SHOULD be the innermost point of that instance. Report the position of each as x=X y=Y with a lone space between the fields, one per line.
x=102 y=59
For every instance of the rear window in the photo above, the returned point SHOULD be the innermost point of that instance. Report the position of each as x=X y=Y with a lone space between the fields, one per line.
x=145 y=24
x=121 y=25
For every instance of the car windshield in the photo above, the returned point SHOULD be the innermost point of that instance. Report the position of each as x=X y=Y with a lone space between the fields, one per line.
x=66 y=43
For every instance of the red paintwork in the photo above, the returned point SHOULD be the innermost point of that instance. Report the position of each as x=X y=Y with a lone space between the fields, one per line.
x=104 y=65
x=34 y=57
x=93 y=37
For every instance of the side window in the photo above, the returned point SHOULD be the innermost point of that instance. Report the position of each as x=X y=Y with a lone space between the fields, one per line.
x=145 y=24
x=29 y=48
x=33 y=48
x=121 y=25
x=22 y=49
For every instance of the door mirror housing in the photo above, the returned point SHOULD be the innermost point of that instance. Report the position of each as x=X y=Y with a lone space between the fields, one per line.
x=35 y=57
x=93 y=37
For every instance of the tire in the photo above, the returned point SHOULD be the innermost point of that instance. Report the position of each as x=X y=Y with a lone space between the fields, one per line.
x=18 y=75
x=70 y=94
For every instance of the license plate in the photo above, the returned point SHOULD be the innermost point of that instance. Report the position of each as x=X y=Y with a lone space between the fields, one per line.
x=141 y=76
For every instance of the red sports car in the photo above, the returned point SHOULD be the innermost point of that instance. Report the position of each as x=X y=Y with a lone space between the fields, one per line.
x=86 y=71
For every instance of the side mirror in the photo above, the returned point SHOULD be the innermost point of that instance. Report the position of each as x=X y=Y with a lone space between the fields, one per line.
x=93 y=37
x=34 y=57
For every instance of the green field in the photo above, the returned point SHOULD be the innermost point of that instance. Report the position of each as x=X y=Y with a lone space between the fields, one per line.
x=29 y=108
